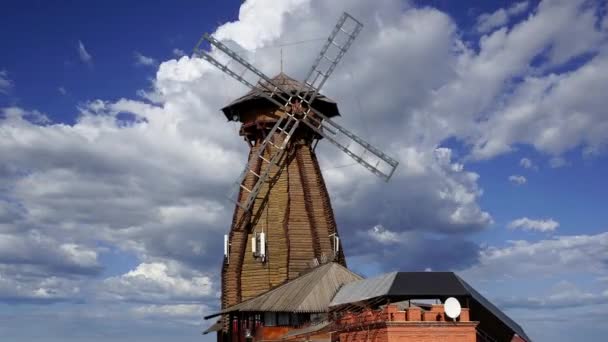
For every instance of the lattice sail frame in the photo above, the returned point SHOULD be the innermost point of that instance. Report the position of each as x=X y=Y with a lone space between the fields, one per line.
x=338 y=42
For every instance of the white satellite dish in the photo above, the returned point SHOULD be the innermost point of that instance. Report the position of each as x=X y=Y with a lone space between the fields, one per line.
x=452 y=307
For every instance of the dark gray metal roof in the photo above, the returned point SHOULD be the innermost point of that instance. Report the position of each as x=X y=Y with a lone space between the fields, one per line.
x=310 y=292
x=418 y=285
x=322 y=103
x=494 y=310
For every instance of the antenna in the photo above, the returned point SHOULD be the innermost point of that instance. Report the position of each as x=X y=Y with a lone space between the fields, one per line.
x=452 y=308
x=226 y=248
x=281 y=59
x=263 y=246
x=336 y=243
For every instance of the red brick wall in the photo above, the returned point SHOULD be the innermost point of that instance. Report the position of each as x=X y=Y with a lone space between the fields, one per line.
x=407 y=332
x=412 y=325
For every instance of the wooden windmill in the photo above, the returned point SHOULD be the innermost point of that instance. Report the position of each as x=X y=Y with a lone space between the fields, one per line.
x=283 y=220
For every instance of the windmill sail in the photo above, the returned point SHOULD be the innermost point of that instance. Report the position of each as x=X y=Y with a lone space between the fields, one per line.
x=338 y=42
x=362 y=152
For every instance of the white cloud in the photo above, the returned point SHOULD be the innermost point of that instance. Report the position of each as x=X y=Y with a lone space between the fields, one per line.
x=5 y=83
x=555 y=257
x=487 y=22
x=517 y=179
x=190 y=314
x=158 y=282
x=527 y=163
x=84 y=55
x=62 y=91
x=144 y=60
x=383 y=235
x=178 y=52
x=557 y=162
x=518 y=8
x=35 y=248
x=546 y=110
x=563 y=295
x=382 y=249
x=247 y=31
x=544 y=225
x=540 y=283
x=153 y=185
x=31 y=289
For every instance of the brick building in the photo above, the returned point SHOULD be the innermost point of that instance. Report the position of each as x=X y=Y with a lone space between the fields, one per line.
x=394 y=324
x=332 y=304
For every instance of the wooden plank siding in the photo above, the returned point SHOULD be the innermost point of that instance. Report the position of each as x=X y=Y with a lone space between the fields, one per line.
x=328 y=211
x=301 y=250
x=231 y=284
x=293 y=209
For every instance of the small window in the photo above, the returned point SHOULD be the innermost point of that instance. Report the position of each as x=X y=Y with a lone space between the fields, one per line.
x=283 y=318
x=270 y=319
x=298 y=319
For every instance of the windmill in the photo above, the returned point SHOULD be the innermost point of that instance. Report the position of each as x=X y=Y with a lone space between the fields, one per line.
x=282 y=204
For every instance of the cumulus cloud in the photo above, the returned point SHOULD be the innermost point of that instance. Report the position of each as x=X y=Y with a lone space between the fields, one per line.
x=35 y=248
x=5 y=83
x=555 y=257
x=563 y=295
x=83 y=54
x=383 y=248
x=178 y=52
x=489 y=21
x=527 y=163
x=144 y=60
x=384 y=236
x=543 y=225
x=517 y=179
x=545 y=280
x=547 y=110
x=17 y=286
x=149 y=177
x=190 y=314
x=158 y=282
x=450 y=207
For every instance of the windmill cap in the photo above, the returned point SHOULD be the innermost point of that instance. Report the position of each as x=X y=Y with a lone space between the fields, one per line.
x=252 y=99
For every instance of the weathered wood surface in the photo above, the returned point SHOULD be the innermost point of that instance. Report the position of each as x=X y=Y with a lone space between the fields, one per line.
x=310 y=292
x=294 y=211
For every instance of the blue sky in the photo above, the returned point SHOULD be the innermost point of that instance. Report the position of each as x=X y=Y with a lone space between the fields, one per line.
x=43 y=50
x=116 y=159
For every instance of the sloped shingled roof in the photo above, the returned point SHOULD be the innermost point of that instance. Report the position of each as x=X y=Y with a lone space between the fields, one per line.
x=217 y=326
x=253 y=97
x=418 y=285
x=310 y=292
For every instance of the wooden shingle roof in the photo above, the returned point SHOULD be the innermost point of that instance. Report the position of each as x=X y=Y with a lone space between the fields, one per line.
x=311 y=292
x=253 y=97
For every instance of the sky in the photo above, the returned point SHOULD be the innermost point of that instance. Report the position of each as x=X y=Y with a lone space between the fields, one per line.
x=115 y=159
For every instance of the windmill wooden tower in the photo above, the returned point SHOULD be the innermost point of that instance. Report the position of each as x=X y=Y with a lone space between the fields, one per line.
x=283 y=220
